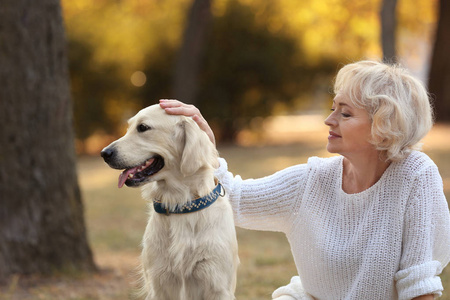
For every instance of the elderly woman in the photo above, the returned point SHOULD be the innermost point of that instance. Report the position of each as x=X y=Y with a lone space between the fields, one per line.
x=370 y=223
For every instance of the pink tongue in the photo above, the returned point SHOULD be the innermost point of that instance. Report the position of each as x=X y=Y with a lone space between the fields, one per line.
x=123 y=177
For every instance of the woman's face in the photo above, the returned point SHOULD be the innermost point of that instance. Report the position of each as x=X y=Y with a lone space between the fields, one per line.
x=350 y=128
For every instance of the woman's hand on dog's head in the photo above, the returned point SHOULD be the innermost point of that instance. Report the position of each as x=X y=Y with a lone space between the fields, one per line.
x=175 y=107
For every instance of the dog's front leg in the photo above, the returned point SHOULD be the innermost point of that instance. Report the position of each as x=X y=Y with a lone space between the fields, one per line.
x=166 y=286
x=208 y=283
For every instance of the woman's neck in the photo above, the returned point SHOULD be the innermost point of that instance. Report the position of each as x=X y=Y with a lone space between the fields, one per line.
x=360 y=173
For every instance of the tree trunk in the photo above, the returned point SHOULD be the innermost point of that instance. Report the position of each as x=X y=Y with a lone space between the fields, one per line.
x=190 y=55
x=42 y=228
x=439 y=78
x=388 y=28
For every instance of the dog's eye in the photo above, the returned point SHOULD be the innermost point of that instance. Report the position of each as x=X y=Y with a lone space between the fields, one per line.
x=142 y=127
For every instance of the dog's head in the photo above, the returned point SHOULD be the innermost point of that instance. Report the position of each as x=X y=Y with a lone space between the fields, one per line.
x=157 y=146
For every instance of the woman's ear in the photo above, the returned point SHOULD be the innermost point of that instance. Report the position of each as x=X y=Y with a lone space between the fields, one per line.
x=198 y=150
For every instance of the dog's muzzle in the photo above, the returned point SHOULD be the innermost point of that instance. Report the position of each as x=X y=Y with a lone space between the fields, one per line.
x=134 y=175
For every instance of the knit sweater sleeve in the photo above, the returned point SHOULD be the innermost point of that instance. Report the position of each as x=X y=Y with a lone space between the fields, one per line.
x=426 y=237
x=267 y=203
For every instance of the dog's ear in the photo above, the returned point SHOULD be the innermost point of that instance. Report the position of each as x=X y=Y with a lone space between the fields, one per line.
x=198 y=150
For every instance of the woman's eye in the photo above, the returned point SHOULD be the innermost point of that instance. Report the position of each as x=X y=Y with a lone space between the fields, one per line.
x=143 y=127
x=346 y=115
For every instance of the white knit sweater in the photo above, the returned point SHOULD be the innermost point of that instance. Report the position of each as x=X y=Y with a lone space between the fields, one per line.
x=390 y=241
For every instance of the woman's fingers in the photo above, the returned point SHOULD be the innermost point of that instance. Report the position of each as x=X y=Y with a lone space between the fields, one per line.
x=175 y=107
x=205 y=127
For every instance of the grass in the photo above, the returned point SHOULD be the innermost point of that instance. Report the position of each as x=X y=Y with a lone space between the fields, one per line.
x=116 y=219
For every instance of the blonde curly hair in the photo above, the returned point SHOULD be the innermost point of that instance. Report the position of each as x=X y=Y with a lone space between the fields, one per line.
x=398 y=105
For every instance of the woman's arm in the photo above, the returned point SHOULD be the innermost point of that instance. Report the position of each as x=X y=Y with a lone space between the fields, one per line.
x=175 y=107
x=426 y=236
x=256 y=203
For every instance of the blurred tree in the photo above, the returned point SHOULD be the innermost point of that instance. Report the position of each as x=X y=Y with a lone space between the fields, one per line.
x=388 y=29
x=439 y=78
x=122 y=37
x=249 y=69
x=159 y=68
x=42 y=228
x=110 y=40
x=340 y=30
x=190 y=54
x=93 y=84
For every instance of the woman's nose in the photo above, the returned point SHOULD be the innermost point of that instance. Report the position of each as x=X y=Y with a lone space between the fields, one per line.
x=330 y=120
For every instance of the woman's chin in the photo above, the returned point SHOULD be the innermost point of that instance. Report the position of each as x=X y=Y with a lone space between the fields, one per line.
x=332 y=149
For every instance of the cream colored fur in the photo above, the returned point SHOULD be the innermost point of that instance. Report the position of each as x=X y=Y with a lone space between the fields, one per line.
x=189 y=256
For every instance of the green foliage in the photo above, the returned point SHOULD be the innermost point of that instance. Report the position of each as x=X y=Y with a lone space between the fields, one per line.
x=92 y=86
x=159 y=69
x=262 y=57
x=249 y=69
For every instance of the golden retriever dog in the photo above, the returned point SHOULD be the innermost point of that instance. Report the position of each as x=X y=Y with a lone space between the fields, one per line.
x=189 y=246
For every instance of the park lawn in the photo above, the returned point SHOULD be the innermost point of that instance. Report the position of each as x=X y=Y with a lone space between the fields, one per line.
x=116 y=219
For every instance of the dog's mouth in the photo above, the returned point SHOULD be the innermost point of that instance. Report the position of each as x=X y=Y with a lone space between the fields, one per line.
x=136 y=175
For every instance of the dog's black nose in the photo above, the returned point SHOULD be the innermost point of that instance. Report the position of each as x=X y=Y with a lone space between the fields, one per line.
x=107 y=154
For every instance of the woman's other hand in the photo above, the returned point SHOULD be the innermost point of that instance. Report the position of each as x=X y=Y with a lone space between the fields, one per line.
x=175 y=107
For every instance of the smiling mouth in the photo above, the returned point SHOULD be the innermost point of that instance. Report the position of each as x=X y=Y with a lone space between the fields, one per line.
x=333 y=135
x=136 y=175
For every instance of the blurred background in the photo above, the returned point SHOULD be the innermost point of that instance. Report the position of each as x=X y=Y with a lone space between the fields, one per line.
x=237 y=60
x=260 y=71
